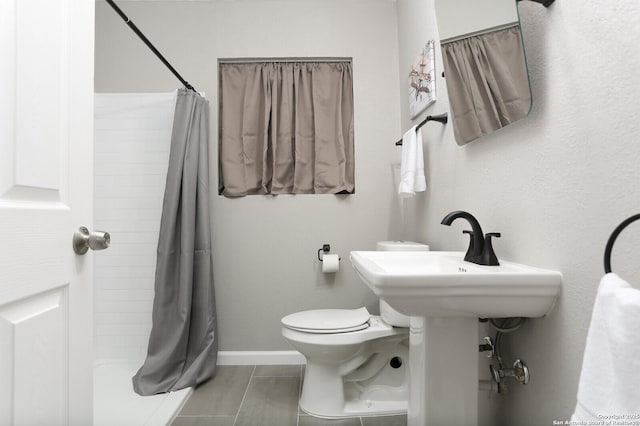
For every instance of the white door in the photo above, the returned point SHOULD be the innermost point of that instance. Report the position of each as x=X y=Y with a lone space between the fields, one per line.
x=46 y=167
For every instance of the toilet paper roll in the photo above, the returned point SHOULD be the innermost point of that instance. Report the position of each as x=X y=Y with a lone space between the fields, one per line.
x=330 y=263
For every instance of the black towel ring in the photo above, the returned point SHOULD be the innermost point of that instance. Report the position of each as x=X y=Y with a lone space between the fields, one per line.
x=612 y=239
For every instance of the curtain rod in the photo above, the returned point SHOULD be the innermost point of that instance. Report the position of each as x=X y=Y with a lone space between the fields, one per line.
x=146 y=41
x=287 y=59
x=481 y=32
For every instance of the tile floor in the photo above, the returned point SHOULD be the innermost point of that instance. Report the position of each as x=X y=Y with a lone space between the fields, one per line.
x=262 y=395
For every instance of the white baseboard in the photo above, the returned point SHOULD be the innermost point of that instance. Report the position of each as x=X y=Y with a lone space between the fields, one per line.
x=260 y=358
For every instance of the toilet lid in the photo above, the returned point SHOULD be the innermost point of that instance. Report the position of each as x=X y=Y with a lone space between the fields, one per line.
x=328 y=320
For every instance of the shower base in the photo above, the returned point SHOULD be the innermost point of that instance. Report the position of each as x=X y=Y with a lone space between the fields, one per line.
x=116 y=404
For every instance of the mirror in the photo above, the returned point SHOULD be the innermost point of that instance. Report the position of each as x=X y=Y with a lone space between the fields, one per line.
x=484 y=65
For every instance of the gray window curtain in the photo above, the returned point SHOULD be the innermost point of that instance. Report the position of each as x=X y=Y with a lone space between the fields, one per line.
x=285 y=128
x=487 y=82
x=182 y=349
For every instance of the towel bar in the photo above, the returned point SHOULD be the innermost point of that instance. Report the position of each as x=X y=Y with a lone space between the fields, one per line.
x=612 y=239
x=442 y=118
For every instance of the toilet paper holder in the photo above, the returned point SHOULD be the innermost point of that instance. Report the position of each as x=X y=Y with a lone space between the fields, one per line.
x=326 y=248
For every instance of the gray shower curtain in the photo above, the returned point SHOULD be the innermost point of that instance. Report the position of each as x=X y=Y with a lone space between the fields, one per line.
x=182 y=349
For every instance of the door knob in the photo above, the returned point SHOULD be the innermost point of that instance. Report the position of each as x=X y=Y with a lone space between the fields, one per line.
x=83 y=240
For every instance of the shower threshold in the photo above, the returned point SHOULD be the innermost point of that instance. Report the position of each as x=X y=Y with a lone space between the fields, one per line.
x=116 y=404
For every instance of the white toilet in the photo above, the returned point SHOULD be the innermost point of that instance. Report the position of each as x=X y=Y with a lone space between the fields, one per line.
x=357 y=363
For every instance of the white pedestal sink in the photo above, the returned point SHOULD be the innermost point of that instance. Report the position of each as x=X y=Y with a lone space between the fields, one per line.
x=445 y=296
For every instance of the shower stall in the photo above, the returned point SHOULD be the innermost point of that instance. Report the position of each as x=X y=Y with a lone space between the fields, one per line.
x=131 y=156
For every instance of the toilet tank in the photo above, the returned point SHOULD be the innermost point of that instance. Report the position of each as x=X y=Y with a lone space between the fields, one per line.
x=401 y=246
x=388 y=314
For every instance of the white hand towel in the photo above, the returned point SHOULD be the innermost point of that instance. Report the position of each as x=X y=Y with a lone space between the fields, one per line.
x=412 y=178
x=610 y=376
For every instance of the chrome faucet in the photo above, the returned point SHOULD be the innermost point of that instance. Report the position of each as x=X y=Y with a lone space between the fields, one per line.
x=480 y=249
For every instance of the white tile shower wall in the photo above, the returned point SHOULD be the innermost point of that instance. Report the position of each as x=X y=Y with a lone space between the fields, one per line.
x=132 y=137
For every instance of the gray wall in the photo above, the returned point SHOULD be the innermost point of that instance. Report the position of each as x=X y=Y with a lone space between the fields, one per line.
x=266 y=247
x=555 y=184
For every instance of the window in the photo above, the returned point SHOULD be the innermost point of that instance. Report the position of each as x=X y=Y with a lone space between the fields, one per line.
x=285 y=127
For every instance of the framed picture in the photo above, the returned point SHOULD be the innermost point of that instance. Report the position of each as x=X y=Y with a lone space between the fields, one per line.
x=422 y=82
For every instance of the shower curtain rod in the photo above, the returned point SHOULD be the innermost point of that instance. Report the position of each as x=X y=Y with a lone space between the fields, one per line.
x=280 y=60
x=146 y=41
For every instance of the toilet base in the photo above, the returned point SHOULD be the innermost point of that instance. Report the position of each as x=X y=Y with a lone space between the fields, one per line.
x=377 y=400
x=373 y=389
x=359 y=408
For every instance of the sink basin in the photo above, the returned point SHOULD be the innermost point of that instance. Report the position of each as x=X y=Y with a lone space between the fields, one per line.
x=442 y=284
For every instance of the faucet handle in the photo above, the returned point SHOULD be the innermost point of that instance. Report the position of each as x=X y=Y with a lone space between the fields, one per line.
x=488 y=255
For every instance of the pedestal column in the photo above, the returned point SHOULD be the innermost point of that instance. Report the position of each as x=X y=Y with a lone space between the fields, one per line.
x=443 y=363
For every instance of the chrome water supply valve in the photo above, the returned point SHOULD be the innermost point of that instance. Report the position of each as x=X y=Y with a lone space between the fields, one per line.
x=520 y=372
x=487 y=346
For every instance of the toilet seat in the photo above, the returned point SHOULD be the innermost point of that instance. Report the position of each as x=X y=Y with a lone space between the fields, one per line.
x=328 y=321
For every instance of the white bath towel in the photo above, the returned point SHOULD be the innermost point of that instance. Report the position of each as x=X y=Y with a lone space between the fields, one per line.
x=412 y=165
x=610 y=377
